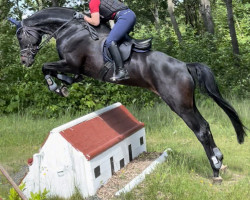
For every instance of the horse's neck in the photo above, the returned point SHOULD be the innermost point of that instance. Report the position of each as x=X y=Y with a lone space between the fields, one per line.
x=49 y=20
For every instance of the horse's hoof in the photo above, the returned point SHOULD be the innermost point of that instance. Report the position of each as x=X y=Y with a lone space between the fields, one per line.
x=64 y=91
x=217 y=180
x=223 y=168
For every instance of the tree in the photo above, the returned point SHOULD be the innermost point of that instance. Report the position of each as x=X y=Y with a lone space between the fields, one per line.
x=5 y=6
x=230 y=20
x=205 y=10
x=173 y=20
x=191 y=8
x=41 y=4
x=155 y=12
x=149 y=11
x=55 y=3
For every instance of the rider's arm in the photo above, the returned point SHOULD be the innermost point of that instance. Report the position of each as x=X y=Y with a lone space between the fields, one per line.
x=94 y=19
x=95 y=14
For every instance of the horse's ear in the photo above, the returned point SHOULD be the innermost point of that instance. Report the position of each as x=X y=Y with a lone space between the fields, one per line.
x=17 y=23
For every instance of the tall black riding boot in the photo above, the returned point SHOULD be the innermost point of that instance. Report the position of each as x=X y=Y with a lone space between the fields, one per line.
x=120 y=73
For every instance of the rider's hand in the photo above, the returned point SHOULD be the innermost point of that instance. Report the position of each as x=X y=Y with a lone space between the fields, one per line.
x=78 y=15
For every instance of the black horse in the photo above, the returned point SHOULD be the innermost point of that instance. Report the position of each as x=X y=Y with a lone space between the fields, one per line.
x=80 y=52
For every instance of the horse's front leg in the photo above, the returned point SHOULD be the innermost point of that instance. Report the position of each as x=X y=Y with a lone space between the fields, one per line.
x=54 y=69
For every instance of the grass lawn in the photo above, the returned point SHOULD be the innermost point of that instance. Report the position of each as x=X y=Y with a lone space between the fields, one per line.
x=185 y=175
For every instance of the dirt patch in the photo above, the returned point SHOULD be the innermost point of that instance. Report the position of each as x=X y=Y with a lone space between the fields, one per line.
x=126 y=174
x=16 y=177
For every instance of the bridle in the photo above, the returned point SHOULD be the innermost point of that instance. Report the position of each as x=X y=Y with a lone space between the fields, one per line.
x=31 y=49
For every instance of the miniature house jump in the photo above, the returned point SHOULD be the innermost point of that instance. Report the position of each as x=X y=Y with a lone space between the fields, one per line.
x=84 y=153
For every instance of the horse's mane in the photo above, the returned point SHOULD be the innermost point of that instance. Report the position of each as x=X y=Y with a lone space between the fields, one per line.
x=62 y=10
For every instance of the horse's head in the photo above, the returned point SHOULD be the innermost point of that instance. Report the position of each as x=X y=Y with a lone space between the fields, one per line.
x=29 y=39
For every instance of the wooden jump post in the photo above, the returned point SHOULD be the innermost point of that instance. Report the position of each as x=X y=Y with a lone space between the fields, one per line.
x=5 y=173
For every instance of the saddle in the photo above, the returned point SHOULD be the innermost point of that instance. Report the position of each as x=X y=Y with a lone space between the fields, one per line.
x=130 y=44
x=126 y=48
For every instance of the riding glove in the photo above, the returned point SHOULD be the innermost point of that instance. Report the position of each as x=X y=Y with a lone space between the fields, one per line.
x=78 y=15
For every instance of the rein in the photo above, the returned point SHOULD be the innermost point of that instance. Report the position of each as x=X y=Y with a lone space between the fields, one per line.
x=92 y=31
x=53 y=34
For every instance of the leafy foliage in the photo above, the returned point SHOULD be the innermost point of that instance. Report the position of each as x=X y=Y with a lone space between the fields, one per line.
x=24 y=89
x=5 y=6
x=13 y=195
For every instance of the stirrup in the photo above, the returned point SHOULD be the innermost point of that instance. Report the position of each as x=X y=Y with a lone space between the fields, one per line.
x=121 y=75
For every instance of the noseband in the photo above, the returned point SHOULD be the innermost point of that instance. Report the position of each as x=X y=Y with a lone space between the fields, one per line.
x=31 y=50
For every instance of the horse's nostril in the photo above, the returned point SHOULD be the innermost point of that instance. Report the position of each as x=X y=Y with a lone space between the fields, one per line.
x=23 y=62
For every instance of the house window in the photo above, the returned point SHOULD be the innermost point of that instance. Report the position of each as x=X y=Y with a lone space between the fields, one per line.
x=141 y=141
x=97 y=171
x=130 y=153
x=112 y=165
x=121 y=163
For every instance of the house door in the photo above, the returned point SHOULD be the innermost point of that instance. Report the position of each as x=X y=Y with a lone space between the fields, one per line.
x=130 y=153
x=112 y=165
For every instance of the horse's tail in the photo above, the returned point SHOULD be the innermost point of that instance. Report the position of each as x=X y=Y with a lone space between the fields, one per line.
x=206 y=80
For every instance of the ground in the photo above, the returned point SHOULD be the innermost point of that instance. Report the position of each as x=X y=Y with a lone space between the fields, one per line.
x=125 y=175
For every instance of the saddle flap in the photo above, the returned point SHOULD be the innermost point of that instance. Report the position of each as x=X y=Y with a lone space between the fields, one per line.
x=125 y=50
x=129 y=45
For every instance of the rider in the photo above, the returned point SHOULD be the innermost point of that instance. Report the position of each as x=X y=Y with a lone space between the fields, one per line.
x=124 y=19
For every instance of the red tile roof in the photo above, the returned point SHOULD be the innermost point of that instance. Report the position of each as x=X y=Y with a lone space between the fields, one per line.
x=96 y=135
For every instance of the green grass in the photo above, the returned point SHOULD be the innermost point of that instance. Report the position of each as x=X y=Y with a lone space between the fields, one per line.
x=185 y=175
x=20 y=138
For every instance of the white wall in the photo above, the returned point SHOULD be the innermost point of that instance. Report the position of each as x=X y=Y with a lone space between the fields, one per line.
x=118 y=152
x=58 y=167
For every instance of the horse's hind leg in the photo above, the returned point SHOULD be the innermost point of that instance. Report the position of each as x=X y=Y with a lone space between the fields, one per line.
x=180 y=98
x=201 y=128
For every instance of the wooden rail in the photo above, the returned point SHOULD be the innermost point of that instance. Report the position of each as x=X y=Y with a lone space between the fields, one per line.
x=5 y=173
